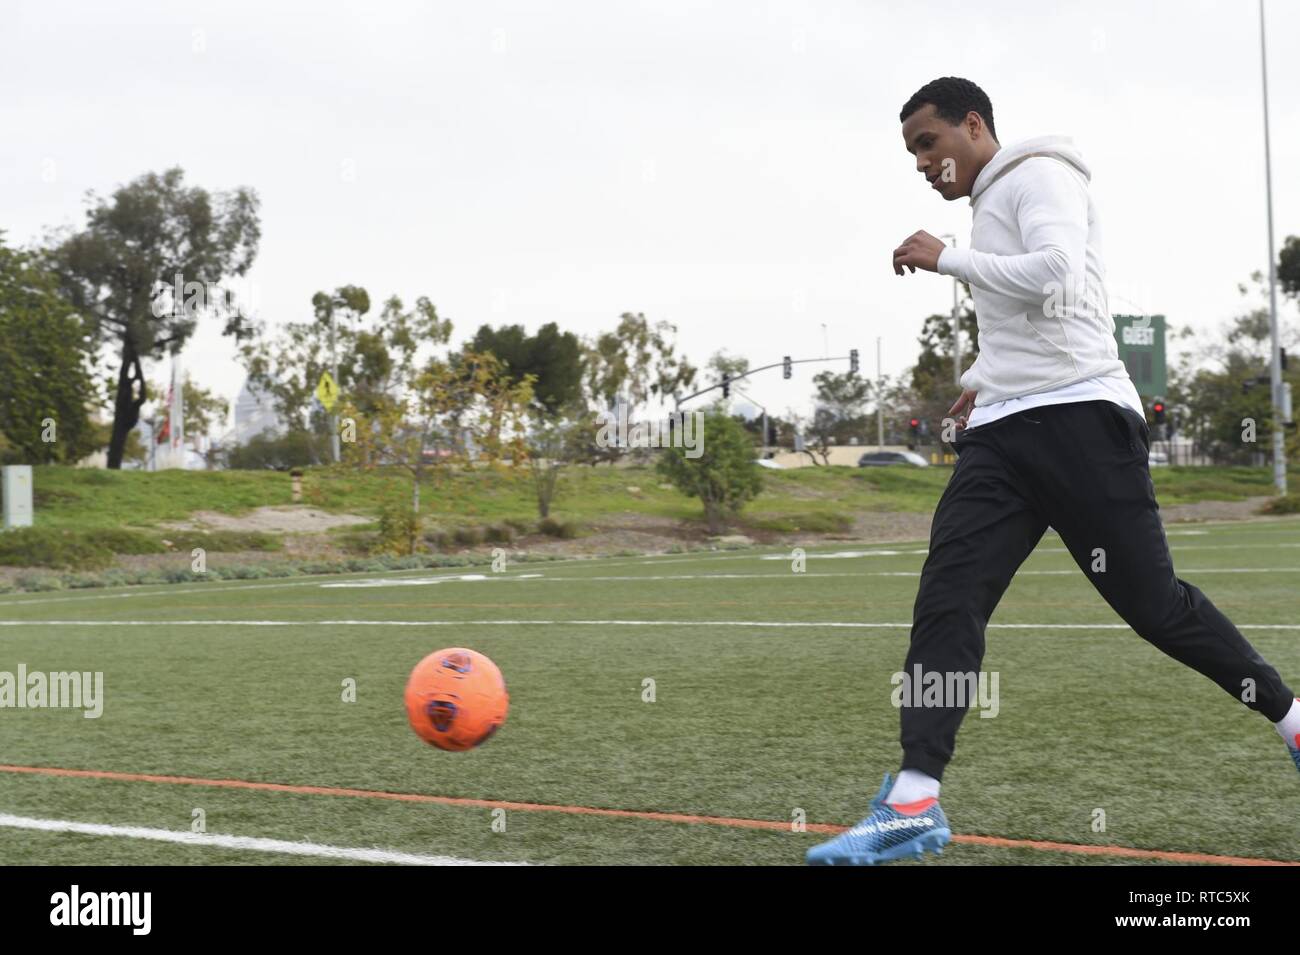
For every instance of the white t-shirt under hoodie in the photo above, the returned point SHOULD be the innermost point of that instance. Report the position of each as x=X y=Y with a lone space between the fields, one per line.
x=1035 y=272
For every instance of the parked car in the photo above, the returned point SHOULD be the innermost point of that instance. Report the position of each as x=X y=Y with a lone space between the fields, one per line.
x=1157 y=459
x=877 y=459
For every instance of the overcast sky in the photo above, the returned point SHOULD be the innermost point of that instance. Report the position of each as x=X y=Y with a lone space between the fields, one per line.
x=734 y=168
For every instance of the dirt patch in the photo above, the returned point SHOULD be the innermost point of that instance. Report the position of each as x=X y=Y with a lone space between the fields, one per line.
x=271 y=520
x=1218 y=511
x=886 y=526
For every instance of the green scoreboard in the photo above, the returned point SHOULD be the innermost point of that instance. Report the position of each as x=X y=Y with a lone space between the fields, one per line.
x=1141 y=340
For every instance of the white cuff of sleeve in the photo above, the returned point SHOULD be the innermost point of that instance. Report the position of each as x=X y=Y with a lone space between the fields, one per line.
x=953 y=261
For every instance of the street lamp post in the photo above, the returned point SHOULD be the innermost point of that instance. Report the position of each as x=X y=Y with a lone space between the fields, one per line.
x=1275 y=371
x=956 y=323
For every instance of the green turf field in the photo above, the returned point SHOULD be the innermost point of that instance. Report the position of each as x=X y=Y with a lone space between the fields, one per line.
x=762 y=708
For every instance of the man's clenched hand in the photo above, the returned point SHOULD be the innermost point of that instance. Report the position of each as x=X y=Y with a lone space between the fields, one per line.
x=919 y=251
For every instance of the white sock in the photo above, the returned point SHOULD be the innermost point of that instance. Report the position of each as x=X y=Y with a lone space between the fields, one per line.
x=1289 y=725
x=912 y=784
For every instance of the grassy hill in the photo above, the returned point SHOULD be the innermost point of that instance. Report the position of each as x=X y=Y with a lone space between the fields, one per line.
x=85 y=498
x=94 y=520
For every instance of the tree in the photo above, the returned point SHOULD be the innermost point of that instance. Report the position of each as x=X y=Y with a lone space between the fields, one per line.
x=46 y=389
x=841 y=406
x=552 y=443
x=1214 y=389
x=1288 y=267
x=638 y=360
x=376 y=358
x=204 y=410
x=451 y=412
x=153 y=235
x=932 y=388
x=554 y=359
x=733 y=366
x=723 y=477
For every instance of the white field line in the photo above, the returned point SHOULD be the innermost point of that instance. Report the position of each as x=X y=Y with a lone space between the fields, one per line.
x=606 y=578
x=298 y=580
x=539 y=578
x=241 y=843
x=305 y=580
x=315 y=581
x=767 y=624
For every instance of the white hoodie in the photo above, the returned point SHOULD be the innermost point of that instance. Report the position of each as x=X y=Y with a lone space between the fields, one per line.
x=1035 y=272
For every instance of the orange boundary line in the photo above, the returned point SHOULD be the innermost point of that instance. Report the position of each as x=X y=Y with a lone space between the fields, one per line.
x=768 y=824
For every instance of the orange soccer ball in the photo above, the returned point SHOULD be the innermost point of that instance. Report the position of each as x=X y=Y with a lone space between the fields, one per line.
x=456 y=699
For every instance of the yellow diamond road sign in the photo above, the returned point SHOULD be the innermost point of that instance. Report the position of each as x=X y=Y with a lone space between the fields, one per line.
x=327 y=391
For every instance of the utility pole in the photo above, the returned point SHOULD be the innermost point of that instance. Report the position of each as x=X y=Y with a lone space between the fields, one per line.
x=1275 y=376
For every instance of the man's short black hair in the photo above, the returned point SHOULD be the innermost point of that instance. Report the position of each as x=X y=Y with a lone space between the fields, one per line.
x=952 y=98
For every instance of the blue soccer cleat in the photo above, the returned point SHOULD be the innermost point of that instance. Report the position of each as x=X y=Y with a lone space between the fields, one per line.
x=890 y=832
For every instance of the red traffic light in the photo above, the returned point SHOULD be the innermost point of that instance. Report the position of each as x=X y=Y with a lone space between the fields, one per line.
x=914 y=422
x=1158 y=407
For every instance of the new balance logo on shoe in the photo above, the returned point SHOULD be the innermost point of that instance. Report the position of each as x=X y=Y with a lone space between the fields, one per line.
x=891 y=825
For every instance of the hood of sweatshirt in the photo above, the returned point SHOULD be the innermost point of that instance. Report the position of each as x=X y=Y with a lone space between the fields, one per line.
x=1060 y=148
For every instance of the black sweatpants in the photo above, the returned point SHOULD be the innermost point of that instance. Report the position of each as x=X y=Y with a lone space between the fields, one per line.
x=1080 y=468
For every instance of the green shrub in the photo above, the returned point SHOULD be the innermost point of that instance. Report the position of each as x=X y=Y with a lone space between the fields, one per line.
x=119 y=540
x=438 y=539
x=81 y=581
x=817 y=522
x=247 y=572
x=221 y=542
x=469 y=536
x=280 y=452
x=399 y=528
x=38 y=582
x=1285 y=504
x=565 y=530
x=57 y=549
x=499 y=534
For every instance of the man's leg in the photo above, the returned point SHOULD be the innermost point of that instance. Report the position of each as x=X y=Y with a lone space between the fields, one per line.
x=1098 y=495
x=983 y=529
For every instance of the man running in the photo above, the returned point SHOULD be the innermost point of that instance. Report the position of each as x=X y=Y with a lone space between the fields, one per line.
x=1052 y=433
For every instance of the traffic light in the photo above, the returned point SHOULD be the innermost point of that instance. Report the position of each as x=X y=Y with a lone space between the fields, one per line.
x=853 y=362
x=787 y=367
x=914 y=429
x=726 y=385
x=1158 y=411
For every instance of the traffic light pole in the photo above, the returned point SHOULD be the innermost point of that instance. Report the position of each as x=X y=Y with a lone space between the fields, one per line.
x=731 y=380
